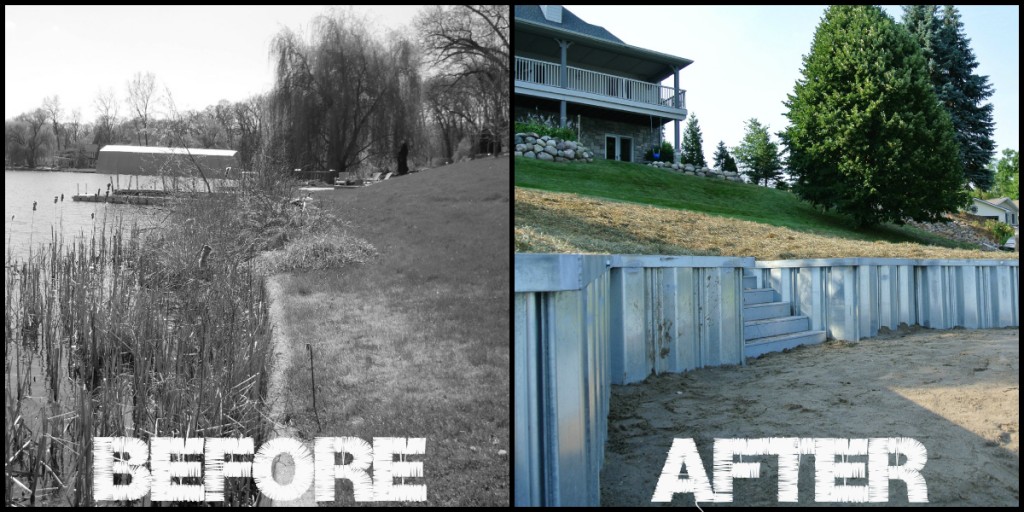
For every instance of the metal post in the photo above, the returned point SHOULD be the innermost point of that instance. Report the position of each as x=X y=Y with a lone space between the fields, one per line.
x=563 y=80
x=675 y=103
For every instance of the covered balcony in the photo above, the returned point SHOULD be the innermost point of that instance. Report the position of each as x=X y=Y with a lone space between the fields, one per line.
x=543 y=79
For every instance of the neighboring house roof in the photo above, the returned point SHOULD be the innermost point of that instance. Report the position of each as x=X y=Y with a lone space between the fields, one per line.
x=995 y=203
x=169 y=151
x=569 y=22
x=148 y=160
x=1004 y=201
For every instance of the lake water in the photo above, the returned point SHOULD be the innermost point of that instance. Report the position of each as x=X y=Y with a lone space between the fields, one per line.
x=23 y=227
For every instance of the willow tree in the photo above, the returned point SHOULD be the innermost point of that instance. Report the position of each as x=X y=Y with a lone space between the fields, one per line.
x=333 y=91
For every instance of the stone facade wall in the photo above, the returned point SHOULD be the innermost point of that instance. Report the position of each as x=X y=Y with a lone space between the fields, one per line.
x=594 y=131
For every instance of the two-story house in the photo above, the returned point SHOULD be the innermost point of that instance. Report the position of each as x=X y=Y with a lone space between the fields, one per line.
x=574 y=71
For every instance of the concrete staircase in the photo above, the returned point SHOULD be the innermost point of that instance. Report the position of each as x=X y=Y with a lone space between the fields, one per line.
x=768 y=324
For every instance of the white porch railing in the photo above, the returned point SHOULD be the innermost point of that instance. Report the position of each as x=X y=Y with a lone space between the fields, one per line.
x=593 y=82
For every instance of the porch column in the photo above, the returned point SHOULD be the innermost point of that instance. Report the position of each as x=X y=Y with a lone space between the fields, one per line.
x=675 y=103
x=563 y=80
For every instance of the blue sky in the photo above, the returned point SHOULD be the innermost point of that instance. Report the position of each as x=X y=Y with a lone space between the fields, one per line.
x=203 y=53
x=747 y=59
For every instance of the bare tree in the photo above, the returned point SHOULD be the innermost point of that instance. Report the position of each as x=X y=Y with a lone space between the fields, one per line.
x=141 y=90
x=462 y=35
x=179 y=129
x=250 y=116
x=51 y=104
x=471 y=43
x=73 y=128
x=106 y=117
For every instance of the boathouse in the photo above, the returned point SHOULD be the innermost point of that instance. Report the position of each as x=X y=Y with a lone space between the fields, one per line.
x=148 y=161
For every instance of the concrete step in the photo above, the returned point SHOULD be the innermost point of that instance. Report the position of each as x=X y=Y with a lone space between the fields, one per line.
x=775 y=327
x=749 y=282
x=766 y=310
x=758 y=296
x=782 y=342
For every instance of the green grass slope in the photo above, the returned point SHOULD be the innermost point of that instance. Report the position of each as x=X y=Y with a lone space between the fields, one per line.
x=636 y=183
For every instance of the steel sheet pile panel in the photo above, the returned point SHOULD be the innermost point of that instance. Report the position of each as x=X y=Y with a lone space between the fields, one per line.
x=628 y=336
x=528 y=435
x=851 y=298
x=667 y=319
x=686 y=353
x=582 y=323
x=562 y=383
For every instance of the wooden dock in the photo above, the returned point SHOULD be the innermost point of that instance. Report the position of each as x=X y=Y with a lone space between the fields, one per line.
x=124 y=199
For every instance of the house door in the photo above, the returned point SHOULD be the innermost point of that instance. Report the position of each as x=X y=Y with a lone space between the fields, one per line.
x=618 y=148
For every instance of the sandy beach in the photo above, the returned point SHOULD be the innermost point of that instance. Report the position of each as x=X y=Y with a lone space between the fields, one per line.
x=955 y=391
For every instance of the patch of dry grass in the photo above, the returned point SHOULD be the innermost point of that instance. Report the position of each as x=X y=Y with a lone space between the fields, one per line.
x=570 y=223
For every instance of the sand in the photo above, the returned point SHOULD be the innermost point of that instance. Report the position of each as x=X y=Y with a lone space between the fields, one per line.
x=955 y=391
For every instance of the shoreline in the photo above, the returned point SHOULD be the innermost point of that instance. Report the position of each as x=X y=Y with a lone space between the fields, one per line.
x=40 y=169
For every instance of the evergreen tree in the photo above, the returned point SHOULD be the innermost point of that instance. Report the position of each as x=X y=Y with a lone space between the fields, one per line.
x=951 y=65
x=867 y=136
x=729 y=164
x=758 y=154
x=692 y=144
x=720 y=155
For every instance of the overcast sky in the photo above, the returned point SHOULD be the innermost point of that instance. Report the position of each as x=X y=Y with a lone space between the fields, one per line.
x=747 y=59
x=204 y=54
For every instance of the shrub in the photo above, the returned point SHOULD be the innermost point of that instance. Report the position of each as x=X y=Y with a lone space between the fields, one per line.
x=665 y=155
x=464 y=150
x=1001 y=231
x=542 y=125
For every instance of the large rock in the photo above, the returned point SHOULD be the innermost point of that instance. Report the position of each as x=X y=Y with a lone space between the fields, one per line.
x=551 y=150
x=689 y=167
x=520 y=147
x=550 y=143
x=545 y=156
x=537 y=148
x=675 y=167
x=568 y=153
x=519 y=138
x=561 y=159
x=519 y=153
x=530 y=140
x=530 y=154
x=570 y=145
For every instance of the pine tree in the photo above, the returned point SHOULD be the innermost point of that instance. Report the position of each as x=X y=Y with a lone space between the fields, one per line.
x=692 y=145
x=729 y=164
x=867 y=136
x=951 y=65
x=758 y=154
x=720 y=155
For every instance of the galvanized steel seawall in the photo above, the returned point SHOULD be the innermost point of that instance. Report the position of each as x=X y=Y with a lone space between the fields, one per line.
x=851 y=298
x=583 y=323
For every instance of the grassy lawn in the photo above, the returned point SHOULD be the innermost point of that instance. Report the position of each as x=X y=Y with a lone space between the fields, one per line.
x=416 y=343
x=625 y=182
